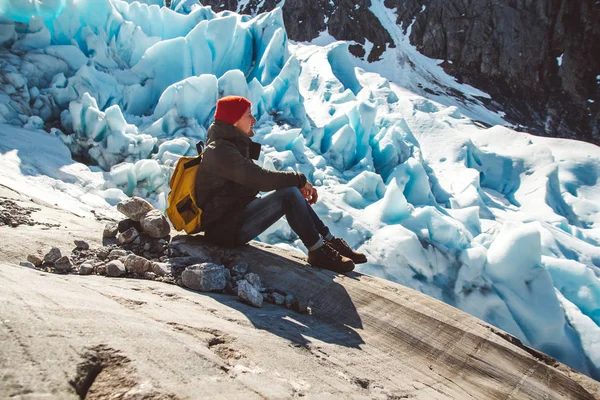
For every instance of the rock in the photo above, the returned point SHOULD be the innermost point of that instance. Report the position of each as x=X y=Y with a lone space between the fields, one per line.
x=147 y=246
x=117 y=253
x=134 y=208
x=53 y=255
x=204 y=277
x=103 y=253
x=227 y=275
x=86 y=269
x=129 y=223
x=101 y=269
x=27 y=264
x=229 y=288
x=150 y=275
x=278 y=298
x=63 y=265
x=253 y=279
x=129 y=236
x=239 y=269
x=137 y=265
x=81 y=244
x=115 y=268
x=155 y=225
x=35 y=260
x=161 y=269
x=248 y=293
x=289 y=301
x=110 y=230
x=186 y=261
x=137 y=240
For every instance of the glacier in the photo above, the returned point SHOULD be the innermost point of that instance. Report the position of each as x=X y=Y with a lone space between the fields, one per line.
x=437 y=190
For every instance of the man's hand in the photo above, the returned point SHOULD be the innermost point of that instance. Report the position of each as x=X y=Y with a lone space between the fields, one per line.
x=309 y=193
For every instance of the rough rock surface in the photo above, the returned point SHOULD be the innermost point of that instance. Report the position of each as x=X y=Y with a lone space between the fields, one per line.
x=134 y=207
x=35 y=260
x=86 y=269
x=53 y=255
x=204 y=277
x=81 y=244
x=63 y=265
x=508 y=49
x=155 y=225
x=253 y=279
x=364 y=338
x=129 y=236
x=249 y=293
x=115 y=268
x=137 y=265
x=111 y=230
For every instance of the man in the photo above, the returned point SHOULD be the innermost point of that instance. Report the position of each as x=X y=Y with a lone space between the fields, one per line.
x=228 y=183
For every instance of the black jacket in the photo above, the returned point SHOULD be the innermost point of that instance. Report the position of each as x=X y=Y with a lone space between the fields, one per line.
x=228 y=180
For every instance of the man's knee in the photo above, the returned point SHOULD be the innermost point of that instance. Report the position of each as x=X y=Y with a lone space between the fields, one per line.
x=291 y=191
x=292 y=194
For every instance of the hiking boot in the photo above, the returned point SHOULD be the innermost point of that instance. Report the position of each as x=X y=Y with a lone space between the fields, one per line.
x=342 y=247
x=327 y=257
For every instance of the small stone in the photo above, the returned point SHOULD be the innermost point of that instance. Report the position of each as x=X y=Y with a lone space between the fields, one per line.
x=110 y=230
x=81 y=244
x=53 y=255
x=150 y=275
x=27 y=264
x=204 y=277
x=239 y=269
x=253 y=279
x=134 y=208
x=147 y=246
x=103 y=253
x=101 y=269
x=248 y=293
x=155 y=225
x=137 y=241
x=161 y=269
x=279 y=299
x=289 y=301
x=162 y=242
x=35 y=260
x=86 y=269
x=129 y=236
x=117 y=253
x=115 y=268
x=128 y=223
x=63 y=265
x=137 y=265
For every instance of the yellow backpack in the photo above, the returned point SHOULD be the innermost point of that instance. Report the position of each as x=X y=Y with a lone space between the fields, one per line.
x=183 y=211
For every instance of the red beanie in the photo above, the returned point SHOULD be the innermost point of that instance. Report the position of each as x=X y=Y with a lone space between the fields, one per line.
x=231 y=108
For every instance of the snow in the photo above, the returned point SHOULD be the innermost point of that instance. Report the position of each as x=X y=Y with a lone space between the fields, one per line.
x=501 y=224
x=559 y=60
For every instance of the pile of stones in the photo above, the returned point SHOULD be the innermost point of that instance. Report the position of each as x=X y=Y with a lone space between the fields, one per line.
x=13 y=215
x=139 y=247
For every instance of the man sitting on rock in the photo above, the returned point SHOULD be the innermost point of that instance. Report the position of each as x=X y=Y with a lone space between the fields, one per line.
x=228 y=183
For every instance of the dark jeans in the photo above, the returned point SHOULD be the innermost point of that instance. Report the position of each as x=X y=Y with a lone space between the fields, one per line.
x=264 y=211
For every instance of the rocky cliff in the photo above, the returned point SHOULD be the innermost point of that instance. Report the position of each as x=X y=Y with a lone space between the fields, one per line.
x=540 y=61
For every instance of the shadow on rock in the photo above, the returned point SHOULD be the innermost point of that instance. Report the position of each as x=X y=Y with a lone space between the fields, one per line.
x=332 y=316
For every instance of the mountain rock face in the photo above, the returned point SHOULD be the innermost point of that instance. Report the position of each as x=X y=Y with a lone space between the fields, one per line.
x=540 y=61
